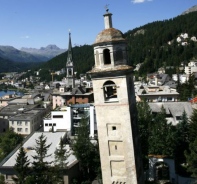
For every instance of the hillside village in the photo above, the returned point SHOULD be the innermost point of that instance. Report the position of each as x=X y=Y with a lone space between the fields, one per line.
x=56 y=109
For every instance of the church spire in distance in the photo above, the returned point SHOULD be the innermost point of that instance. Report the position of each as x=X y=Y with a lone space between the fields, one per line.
x=70 y=65
x=70 y=55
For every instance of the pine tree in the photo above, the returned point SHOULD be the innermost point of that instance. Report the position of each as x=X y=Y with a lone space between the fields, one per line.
x=144 y=120
x=162 y=136
x=182 y=143
x=8 y=141
x=41 y=168
x=191 y=154
x=193 y=126
x=86 y=152
x=183 y=133
x=191 y=157
x=60 y=162
x=21 y=167
x=2 y=179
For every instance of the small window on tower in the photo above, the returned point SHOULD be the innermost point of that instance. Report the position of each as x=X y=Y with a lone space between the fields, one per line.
x=116 y=147
x=110 y=91
x=106 y=57
x=113 y=127
x=69 y=72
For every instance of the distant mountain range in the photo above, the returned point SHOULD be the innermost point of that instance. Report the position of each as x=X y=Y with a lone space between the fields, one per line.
x=44 y=53
x=156 y=34
x=30 y=54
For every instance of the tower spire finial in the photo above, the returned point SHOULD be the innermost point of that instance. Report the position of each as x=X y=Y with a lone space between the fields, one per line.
x=107 y=7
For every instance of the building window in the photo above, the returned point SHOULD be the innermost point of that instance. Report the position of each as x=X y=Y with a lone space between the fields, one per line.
x=57 y=116
x=110 y=91
x=19 y=123
x=113 y=127
x=116 y=147
x=46 y=124
x=26 y=123
x=12 y=122
x=54 y=124
x=26 y=129
x=106 y=57
x=19 y=129
x=50 y=124
x=69 y=72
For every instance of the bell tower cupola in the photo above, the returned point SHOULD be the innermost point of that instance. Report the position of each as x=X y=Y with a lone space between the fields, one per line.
x=109 y=46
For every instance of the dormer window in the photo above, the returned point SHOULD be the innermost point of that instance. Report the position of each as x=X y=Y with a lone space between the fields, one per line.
x=106 y=57
x=110 y=91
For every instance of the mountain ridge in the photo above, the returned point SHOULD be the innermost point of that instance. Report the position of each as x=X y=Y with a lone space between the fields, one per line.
x=13 y=54
x=192 y=9
x=46 y=53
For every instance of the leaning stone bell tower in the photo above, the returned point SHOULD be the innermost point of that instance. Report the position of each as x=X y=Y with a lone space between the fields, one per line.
x=115 y=108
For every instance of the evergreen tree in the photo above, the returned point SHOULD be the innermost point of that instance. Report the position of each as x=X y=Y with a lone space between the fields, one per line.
x=183 y=132
x=2 y=179
x=86 y=152
x=21 y=167
x=60 y=162
x=193 y=126
x=144 y=120
x=8 y=141
x=191 y=154
x=162 y=136
x=191 y=157
x=182 y=143
x=41 y=168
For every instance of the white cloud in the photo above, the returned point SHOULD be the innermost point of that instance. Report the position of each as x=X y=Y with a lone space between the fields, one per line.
x=25 y=37
x=139 y=1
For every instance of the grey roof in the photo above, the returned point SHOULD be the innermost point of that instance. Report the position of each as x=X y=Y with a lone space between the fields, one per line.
x=160 y=90
x=81 y=105
x=78 y=90
x=171 y=84
x=18 y=101
x=52 y=138
x=14 y=109
x=174 y=108
x=26 y=116
x=46 y=96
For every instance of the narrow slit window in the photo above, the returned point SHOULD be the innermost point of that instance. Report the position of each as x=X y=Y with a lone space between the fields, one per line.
x=107 y=58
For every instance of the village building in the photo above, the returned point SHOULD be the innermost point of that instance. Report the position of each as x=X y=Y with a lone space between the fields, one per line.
x=174 y=110
x=191 y=68
x=68 y=118
x=53 y=138
x=4 y=100
x=155 y=93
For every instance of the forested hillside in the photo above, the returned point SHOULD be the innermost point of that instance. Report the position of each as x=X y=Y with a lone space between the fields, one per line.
x=11 y=66
x=83 y=60
x=147 y=44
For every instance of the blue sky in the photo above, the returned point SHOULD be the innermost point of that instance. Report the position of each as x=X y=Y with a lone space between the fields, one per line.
x=37 y=23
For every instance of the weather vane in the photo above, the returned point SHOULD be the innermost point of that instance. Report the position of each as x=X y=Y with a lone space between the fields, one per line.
x=107 y=7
